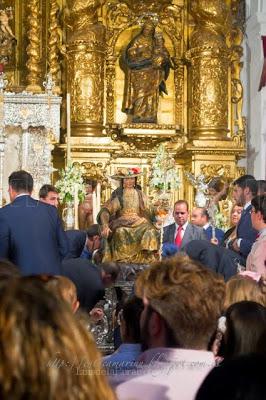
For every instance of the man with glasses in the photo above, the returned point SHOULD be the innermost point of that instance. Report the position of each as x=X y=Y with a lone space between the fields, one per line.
x=181 y=231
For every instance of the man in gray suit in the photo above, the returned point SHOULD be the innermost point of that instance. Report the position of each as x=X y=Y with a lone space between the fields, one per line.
x=181 y=232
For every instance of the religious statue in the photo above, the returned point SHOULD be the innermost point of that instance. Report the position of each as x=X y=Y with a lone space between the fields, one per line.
x=85 y=210
x=127 y=224
x=146 y=63
x=7 y=38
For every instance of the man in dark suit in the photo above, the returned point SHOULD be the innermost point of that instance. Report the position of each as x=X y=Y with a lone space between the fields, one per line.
x=228 y=261
x=31 y=235
x=200 y=217
x=90 y=279
x=245 y=188
x=181 y=231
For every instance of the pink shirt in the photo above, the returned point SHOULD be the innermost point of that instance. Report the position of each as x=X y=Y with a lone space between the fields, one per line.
x=172 y=374
x=257 y=256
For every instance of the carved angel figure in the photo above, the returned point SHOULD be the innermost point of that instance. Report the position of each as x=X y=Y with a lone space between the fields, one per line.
x=7 y=37
x=4 y=23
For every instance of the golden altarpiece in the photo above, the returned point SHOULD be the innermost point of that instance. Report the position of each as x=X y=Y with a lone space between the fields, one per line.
x=81 y=44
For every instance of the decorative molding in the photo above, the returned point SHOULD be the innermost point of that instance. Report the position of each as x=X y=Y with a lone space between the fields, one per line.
x=25 y=109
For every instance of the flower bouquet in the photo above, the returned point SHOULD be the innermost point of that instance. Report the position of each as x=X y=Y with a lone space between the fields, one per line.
x=71 y=182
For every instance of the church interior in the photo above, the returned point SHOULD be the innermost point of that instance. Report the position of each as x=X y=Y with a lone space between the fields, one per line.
x=143 y=123
x=205 y=118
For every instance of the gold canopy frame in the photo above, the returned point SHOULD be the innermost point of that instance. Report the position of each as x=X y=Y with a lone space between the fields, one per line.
x=80 y=43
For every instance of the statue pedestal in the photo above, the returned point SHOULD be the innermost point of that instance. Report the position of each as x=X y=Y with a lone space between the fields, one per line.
x=30 y=128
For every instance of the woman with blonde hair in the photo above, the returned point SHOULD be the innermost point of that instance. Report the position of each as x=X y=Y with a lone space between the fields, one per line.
x=240 y=288
x=45 y=353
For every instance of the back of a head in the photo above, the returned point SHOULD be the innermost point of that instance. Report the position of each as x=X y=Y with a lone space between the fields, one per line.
x=111 y=269
x=64 y=288
x=131 y=312
x=261 y=187
x=240 y=288
x=245 y=328
x=187 y=296
x=241 y=378
x=94 y=230
x=247 y=181
x=43 y=347
x=259 y=204
x=21 y=181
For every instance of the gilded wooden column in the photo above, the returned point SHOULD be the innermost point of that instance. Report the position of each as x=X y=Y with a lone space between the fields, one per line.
x=85 y=68
x=53 y=61
x=209 y=57
x=33 y=48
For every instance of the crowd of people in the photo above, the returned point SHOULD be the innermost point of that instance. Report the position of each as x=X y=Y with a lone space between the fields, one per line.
x=201 y=306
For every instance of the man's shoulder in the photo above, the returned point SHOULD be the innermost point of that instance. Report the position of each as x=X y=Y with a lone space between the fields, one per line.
x=169 y=227
x=194 y=228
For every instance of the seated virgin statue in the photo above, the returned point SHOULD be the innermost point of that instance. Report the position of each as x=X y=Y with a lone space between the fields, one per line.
x=127 y=223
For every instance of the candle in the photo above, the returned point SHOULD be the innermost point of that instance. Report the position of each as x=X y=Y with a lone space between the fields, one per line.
x=94 y=207
x=98 y=196
x=1 y=68
x=76 y=207
x=68 y=113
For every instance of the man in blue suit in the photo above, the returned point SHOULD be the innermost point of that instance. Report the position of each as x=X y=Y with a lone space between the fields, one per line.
x=245 y=189
x=200 y=217
x=31 y=234
x=228 y=260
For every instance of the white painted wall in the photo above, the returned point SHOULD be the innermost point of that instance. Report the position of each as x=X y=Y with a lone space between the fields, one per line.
x=255 y=100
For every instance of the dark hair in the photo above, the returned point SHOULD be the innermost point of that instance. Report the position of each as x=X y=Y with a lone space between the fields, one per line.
x=259 y=203
x=241 y=378
x=8 y=269
x=94 y=230
x=245 y=326
x=45 y=189
x=21 y=181
x=247 y=181
x=92 y=182
x=178 y=202
x=204 y=212
x=131 y=315
x=261 y=187
x=111 y=269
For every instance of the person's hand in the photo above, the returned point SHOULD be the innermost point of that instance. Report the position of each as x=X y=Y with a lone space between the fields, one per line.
x=106 y=231
x=96 y=314
x=214 y=241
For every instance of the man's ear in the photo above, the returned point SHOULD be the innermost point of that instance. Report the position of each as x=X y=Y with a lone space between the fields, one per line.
x=155 y=324
x=75 y=306
x=108 y=279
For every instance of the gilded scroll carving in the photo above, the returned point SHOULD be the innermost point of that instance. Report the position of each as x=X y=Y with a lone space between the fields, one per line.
x=87 y=87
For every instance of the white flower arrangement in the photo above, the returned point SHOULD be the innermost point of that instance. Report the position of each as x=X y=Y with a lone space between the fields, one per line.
x=71 y=180
x=163 y=172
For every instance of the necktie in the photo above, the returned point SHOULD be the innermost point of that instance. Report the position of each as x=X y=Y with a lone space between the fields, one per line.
x=178 y=238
